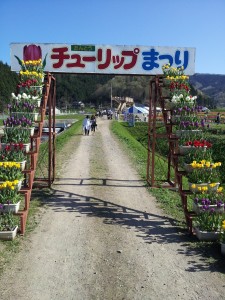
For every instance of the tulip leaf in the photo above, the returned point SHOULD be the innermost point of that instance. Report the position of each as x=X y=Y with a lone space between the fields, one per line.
x=44 y=61
x=19 y=60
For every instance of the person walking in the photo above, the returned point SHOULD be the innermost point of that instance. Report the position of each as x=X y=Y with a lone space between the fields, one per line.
x=86 y=125
x=93 y=124
x=218 y=118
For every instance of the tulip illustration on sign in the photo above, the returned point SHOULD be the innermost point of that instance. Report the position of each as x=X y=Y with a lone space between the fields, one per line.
x=32 y=52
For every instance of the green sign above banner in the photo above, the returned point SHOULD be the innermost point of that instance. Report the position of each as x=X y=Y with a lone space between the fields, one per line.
x=82 y=48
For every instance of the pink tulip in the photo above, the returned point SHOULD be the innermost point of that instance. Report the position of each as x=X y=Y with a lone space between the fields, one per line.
x=32 y=52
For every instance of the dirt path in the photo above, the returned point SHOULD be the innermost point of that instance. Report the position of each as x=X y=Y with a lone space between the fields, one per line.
x=103 y=237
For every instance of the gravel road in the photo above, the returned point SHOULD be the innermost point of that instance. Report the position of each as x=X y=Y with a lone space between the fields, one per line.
x=102 y=236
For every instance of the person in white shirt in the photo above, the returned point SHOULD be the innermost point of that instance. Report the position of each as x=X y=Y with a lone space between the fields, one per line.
x=86 y=125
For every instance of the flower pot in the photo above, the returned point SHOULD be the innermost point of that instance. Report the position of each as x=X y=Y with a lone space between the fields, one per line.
x=14 y=208
x=8 y=235
x=180 y=133
x=26 y=147
x=22 y=164
x=30 y=129
x=197 y=208
x=30 y=115
x=18 y=186
x=207 y=236
x=222 y=249
x=185 y=149
x=36 y=89
x=37 y=102
x=195 y=188
x=188 y=168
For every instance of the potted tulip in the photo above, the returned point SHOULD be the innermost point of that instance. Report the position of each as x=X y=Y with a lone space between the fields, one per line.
x=24 y=103
x=8 y=226
x=16 y=135
x=211 y=199
x=203 y=174
x=10 y=171
x=207 y=224
x=14 y=152
x=21 y=122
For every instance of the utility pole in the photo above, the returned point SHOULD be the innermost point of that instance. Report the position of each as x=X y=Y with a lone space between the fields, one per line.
x=111 y=93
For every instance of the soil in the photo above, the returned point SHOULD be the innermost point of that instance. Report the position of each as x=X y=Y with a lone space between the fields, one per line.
x=103 y=236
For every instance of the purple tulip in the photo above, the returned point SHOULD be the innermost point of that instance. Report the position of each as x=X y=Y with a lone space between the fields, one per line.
x=219 y=204
x=212 y=210
x=196 y=200
x=208 y=202
x=32 y=52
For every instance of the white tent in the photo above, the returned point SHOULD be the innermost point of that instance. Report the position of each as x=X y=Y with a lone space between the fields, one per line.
x=137 y=110
x=139 y=113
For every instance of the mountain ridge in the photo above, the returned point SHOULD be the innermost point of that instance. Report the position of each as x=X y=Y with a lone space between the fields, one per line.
x=212 y=85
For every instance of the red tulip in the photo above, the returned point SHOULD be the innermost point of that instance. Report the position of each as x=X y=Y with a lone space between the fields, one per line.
x=32 y=52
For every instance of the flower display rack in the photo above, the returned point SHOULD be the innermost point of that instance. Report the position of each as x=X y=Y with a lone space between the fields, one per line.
x=48 y=100
x=174 y=176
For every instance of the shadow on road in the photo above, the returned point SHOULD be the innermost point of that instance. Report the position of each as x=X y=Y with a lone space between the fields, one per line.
x=150 y=227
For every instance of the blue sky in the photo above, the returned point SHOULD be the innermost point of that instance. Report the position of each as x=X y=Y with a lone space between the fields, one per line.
x=180 y=23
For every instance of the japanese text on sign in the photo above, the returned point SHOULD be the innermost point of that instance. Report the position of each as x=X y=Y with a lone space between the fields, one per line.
x=99 y=59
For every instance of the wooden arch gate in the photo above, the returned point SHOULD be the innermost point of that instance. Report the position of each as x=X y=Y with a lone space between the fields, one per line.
x=98 y=59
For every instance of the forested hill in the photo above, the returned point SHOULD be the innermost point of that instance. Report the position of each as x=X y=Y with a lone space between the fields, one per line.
x=211 y=85
x=8 y=83
x=97 y=89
